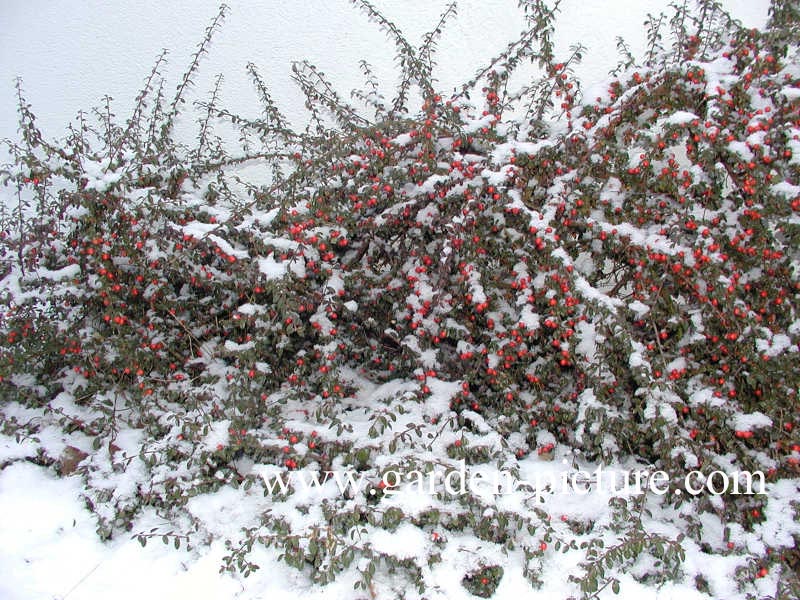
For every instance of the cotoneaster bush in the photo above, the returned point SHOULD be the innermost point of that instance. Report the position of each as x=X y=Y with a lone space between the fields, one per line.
x=615 y=275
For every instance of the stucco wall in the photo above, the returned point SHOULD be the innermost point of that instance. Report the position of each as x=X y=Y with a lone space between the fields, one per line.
x=72 y=52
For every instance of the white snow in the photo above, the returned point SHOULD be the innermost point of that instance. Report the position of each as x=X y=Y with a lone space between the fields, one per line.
x=791 y=93
x=776 y=344
x=741 y=149
x=68 y=272
x=639 y=308
x=680 y=117
x=232 y=346
x=99 y=177
x=750 y=421
x=271 y=268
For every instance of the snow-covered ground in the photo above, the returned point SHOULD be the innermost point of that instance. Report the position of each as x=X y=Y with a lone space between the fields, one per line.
x=49 y=549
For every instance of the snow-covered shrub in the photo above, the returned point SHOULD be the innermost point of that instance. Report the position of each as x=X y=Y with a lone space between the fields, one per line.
x=503 y=276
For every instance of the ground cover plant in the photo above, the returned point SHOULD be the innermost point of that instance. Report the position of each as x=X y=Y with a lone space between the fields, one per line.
x=512 y=277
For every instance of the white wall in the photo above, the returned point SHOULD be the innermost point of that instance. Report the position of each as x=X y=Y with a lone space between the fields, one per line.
x=72 y=52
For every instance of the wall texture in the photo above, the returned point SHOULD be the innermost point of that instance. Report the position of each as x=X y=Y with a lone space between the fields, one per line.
x=70 y=53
